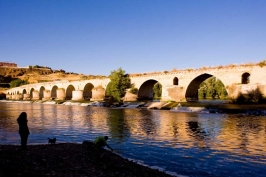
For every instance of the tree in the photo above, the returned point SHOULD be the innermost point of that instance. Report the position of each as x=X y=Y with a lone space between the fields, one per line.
x=203 y=90
x=119 y=82
x=212 y=88
x=220 y=89
x=18 y=82
x=133 y=89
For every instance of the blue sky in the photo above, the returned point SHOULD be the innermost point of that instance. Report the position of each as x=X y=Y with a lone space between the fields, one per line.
x=98 y=36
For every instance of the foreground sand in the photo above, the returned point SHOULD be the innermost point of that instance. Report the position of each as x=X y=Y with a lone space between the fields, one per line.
x=68 y=159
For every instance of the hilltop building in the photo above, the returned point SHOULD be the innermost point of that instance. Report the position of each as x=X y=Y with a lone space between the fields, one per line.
x=7 y=64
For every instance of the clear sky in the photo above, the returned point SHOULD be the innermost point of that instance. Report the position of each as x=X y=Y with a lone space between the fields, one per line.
x=98 y=36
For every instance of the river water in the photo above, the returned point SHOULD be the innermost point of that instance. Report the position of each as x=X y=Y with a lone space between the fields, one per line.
x=184 y=144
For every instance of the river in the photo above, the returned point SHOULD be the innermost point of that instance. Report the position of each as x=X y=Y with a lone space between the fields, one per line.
x=183 y=144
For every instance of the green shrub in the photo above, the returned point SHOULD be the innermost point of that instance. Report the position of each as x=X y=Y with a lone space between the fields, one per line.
x=133 y=90
x=253 y=96
x=18 y=82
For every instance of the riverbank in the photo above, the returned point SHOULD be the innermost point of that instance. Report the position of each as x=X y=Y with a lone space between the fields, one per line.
x=68 y=159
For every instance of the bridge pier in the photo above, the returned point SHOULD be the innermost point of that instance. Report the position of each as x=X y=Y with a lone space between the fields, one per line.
x=255 y=90
x=130 y=96
x=8 y=96
x=26 y=96
x=18 y=97
x=46 y=95
x=77 y=95
x=173 y=93
x=60 y=94
x=98 y=94
x=35 y=95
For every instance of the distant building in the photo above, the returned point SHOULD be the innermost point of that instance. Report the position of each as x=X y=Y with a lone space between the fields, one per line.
x=6 y=64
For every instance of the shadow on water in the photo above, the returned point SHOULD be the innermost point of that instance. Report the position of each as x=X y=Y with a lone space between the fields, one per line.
x=196 y=131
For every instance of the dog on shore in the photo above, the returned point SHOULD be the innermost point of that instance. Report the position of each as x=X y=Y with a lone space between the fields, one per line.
x=51 y=140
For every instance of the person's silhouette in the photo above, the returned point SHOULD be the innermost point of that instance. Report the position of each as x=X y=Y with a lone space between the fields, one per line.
x=23 y=129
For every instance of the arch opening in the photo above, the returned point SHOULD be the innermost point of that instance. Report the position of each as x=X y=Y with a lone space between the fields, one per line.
x=69 y=90
x=87 y=91
x=206 y=86
x=245 y=78
x=41 y=92
x=150 y=90
x=53 y=92
x=31 y=92
x=175 y=81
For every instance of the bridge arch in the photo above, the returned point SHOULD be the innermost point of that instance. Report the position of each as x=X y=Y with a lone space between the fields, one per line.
x=146 y=90
x=53 y=92
x=31 y=92
x=87 y=91
x=41 y=92
x=192 y=89
x=69 y=90
x=175 y=81
x=245 y=78
x=192 y=92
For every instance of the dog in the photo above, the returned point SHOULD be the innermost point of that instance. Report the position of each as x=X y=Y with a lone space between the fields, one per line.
x=51 y=140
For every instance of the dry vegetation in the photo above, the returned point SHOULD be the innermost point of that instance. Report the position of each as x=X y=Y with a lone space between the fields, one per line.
x=36 y=78
x=174 y=70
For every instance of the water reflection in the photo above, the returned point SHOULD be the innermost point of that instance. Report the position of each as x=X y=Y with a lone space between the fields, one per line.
x=157 y=137
x=245 y=135
x=195 y=131
x=118 y=126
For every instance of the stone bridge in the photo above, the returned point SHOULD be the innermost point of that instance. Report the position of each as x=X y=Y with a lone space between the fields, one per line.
x=181 y=85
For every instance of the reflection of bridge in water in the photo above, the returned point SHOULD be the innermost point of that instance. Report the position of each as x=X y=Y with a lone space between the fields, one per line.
x=178 y=86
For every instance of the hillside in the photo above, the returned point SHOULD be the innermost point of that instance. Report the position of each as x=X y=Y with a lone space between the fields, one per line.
x=37 y=75
x=16 y=72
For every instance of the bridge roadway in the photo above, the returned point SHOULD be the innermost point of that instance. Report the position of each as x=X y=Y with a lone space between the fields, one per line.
x=177 y=86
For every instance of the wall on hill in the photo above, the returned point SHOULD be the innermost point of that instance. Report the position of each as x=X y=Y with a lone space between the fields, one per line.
x=16 y=72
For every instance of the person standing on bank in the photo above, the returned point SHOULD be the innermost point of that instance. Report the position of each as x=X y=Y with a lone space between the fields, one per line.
x=23 y=129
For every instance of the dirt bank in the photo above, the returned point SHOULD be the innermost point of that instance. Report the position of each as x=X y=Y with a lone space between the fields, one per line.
x=68 y=159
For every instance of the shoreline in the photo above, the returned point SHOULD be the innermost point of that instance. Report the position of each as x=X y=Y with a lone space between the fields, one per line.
x=70 y=159
x=200 y=106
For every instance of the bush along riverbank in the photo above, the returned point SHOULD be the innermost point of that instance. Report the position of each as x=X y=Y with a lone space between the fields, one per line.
x=68 y=159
